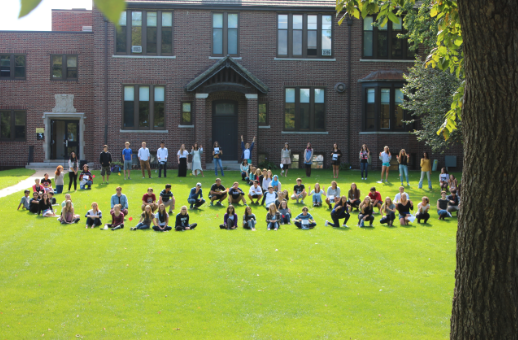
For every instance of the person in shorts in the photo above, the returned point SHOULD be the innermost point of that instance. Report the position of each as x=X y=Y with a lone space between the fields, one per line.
x=106 y=162
x=167 y=198
x=217 y=193
x=127 y=157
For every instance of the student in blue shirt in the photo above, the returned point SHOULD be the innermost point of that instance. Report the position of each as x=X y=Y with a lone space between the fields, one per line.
x=127 y=157
x=196 y=197
x=120 y=198
x=305 y=220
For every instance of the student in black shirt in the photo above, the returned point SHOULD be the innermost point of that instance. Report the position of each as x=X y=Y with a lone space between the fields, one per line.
x=453 y=204
x=299 y=191
x=182 y=221
x=235 y=194
x=404 y=208
x=217 y=193
x=336 y=154
x=442 y=206
x=46 y=182
x=106 y=161
x=366 y=212
x=35 y=203
x=45 y=206
x=167 y=198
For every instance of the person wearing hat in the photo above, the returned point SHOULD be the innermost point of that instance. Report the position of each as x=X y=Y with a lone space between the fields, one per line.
x=196 y=197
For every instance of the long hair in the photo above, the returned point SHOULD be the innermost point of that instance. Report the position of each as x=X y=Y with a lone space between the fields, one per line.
x=214 y=144
x=148 y=216
x=230 y=206
x=365 y=205
x=316 y=184
x=68 y=207
x=161 y=212
x=272 y=209
x=309 y=147
x=364 y=148
x=196 y=146
x=355 y=191
x=425 y=155
x=286 y=148
x=246 y=211
x=73 y=159
x=402 y=153
x=58 y=170
x=386 y=204
x=336 y=184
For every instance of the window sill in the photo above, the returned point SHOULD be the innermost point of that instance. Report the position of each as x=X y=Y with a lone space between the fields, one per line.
x=235 y=58
x=384 y=133
x=144 y=131
x=185 y=126
x=388 y=60
x=304 y=132
x=144 y=56
x=305 y=59
x=264 y=126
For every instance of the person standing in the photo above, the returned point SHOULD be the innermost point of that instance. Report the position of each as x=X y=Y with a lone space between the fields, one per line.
x=182 y=161
x=143 y=157
x=161 y=155
x=308 y=159
x=385 y=158
x=402 y=159
x=127 y=157
x=196 y=152
x=426 y=168
x=336 y=155
x=59 y=179
x=217 y=152
x=247 y=150
x=73 y=168
x=285 y=159
x=106 y=161
x=365 y=154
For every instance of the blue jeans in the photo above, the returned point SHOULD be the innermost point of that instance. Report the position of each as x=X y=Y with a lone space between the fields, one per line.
x=442 y=212
x=142 y=226
x=196 y=202
x=250 y=224
x=403 y=170
x=58 y=189
x=317 y=199
x=273 y=225
x=88 y=184
x=422 y=177
x=308 y=226
x=286 y=218
x=364 y=167
x=216 y=162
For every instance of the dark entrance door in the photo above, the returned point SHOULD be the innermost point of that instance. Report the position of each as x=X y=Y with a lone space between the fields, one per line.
x=224 y=128
x=64 y=138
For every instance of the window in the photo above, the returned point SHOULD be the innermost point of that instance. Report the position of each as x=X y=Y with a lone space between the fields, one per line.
x=262 y=158
x=63 y=67
x=304 y=109
x=383 y=43
x=262 y=119
x=186 y=118
x=295 y=160
x=318 y=161
x=143 y=107
x=12 y=66
x=13 y=125
x=382 y=107
x=225 y=34
x=145 y=32
x=304 y=35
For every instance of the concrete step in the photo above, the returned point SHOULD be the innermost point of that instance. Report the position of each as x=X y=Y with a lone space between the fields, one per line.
x=51 y=165
x=227 y=165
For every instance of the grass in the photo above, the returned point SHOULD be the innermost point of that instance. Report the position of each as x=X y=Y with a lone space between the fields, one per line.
x=14 y=176
x=372 y=283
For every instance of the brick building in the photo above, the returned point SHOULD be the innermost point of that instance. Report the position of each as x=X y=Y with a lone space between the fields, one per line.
x=200 y=71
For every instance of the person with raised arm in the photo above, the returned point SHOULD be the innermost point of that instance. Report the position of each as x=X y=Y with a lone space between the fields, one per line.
x=385 y=158
x=247 y=150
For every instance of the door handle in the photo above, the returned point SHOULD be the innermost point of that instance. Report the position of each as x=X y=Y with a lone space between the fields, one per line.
x=66 y=143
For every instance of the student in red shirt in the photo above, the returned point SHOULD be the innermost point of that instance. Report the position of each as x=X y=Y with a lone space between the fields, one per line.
x=376 y=199
x=149 y=198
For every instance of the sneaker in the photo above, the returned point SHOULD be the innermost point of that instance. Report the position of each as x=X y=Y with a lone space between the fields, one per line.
x=133 y=228
x=129 y=178
x=143 y=177
x=345 y=225
x=268 y=229
x=449 y=215
x=362 y=178
x=219 y=203
x=275 y=229
x=302 y=202
x=105 y=228
x=380 y=182
x=124 y=178
x=327 y=223
x=170 y=212
x=211 y=204
x=289 y=222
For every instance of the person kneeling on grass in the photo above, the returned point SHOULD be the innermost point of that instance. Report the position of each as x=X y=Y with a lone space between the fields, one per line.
x=273 y=217
x=389 y=209
x=366 y=212
x=25 y=201
x=161 y=220
x=305 y=220
x=146 y=218
x=299 y=192
x=117 y=218
x=255 y=192
x=67 y=214
x=217 y=193
x=249 y=220
x=341 y=210
x=45 y=206
x=94 y=216
x=182 y=221
x=404 y=208
x=196 y=197
x=235 y=195
x=442 y=206
x=422 y=210
x=230 y=219
x=317 y=195
x=285 y=212
x=376 y=199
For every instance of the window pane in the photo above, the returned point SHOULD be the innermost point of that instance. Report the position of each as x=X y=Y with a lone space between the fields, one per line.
x=225 y=109
x=397 y=26
x=383 y=28
x=382 y=44
x=159 y=93
x=317 y=161
x=397 y=46
x=143 y=114
x=319 y=96
x=232 y=41
x=312 y=22
x=304 y=95
x=5 y=124
x=19 y=66
x=217 y=20
x=217 y=41
x=371 y=96
x=122 y=19
x=398 y=114
x=71 y=73
x=186 y=117
x=136 y=18
x=282 y=21
x=232 y=21
x=297 y=42
x=290 y=95
x=129 y=93
x=71 y=61
x=304 y=116
x=19 y=124
x=367 y=44
x=121 y=39
x=282 y=41
x=186 y=107
x=143 y=93
x=297 y=22
x=167 y=40
x=370 y=120
x=327 y=21
x=57 y=63
x=320 y=116
x=295 y=158
x=167 y=19
x=136 y=29
x=326 y=42
x=5 y=66
x=129 y=114
x=367 y=24
x=289 y=116
x=151 y=19
x=312 y=43
x=262 y=113
x=159 y=115
x=151 y=40
x=385 y=109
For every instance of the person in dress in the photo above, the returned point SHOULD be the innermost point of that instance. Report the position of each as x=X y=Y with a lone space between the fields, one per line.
x=161 y=220
x=272 y=217
x=230 y=219
x=336 y=156
x=364 y=161
x=249 y=219
x=182 y=161
x=385 y=158
x=340 y=211
x=308 y=159
x=94 y=216
x=317 y=194
x=196 y=152
x=59 y=179
x=162 y=154
x=285 y=159
x=247 y=150
x=305 y=220
x=217 y=152
x=182 y=220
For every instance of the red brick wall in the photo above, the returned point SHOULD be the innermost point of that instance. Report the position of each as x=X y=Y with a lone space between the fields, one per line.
x=71 y=20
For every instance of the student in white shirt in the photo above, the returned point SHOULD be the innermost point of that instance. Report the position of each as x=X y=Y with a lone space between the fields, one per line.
x=143 y=157
x=397 y=199
x=422 y=210
x=161 y=155
x=182 y=161
x=269 y=197
x=385 y=158
x=255 y=192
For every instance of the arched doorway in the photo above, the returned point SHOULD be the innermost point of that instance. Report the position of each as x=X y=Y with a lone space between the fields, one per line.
x=224 y=128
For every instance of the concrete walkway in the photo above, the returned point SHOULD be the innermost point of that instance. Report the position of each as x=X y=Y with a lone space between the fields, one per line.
x=27 y=183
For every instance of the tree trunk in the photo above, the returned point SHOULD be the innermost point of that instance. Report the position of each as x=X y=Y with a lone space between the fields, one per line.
x=485 y=303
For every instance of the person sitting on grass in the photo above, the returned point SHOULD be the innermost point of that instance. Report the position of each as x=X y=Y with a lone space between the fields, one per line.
x=285 y=212
x=276 y=184
x=272 y=217
x=376 y=199
x=422 y=210
x=35 y=203
x=317 y=195
x=52 y=198
x=230 y=219
x=453 y=183
x=453 y=204
x=389 y=209
x=333 y=194
x=67 y=214
x=25 y=202
x=217 y=193
x=236 y=195
x=249 y=220
x=45 y=206
x=269 y=198
x=281 y=197
x=305 y=220
x=47 y=183
x=120 y=198
x=244 y=167
x=86 y=179
x=341 y=210
x=161 y=220
x=443 y=179
x=251 y=175
x=366 y=212
x=117 y=218
x=196 y=197
x=167 y=198
x=182 y=220
x=299 y=191
x=37 y=187
x=404 y=208
x=67 y=198
x=94 y=216
x=255 y=192
x=442 y=206
x=397 y=198
x=267 y=179
x=146 y=218
x=149 y=198
x=354 y=196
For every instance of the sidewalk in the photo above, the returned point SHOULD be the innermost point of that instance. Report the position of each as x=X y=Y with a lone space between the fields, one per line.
x=27 y=183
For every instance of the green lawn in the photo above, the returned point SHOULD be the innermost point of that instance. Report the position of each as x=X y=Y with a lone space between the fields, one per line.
x=14 y=176
x=373 y=283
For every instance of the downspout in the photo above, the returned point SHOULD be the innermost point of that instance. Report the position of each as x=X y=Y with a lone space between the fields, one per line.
x=349 y=79
x=105 y=81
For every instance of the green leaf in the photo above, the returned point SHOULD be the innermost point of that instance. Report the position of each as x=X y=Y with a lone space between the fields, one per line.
x=458 y=42
x=111 y=9
x=393 y=17
x=433 y=12
x=27 y=6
